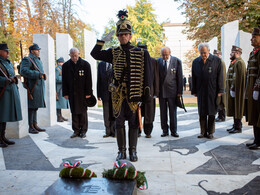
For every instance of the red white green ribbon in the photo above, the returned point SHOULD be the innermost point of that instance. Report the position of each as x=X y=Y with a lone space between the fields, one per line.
x=69 y=164
x=145 y=186
x=117 y=164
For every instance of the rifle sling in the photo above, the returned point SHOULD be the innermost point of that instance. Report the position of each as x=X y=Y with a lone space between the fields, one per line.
x=5 y=74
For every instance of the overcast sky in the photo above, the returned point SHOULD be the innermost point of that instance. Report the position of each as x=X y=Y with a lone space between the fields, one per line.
x=98 y=12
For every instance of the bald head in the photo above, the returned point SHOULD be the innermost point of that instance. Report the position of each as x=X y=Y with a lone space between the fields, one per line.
x=165 y=53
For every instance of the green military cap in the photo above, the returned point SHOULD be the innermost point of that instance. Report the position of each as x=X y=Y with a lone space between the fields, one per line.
x=34 y=46
x=256 y=31
x=61 y=59
x=236 y=48
x=123 y=26
x=217 y=52
x=3 y=46
x=144 y=46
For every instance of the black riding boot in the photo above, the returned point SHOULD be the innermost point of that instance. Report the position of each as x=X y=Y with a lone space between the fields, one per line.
x=132 y=137
x=121 y=142
x=7 y=141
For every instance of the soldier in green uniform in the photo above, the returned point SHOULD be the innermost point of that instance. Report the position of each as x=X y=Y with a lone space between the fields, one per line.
x=131 y=84
x=236 y=78
x=222 y=104
x=253 y=88
x=61 y=102
x=32 y=71
x=9 y=95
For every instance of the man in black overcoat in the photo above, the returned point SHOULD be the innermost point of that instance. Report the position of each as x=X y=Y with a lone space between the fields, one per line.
x=103 y=80
x=171 y=86
x=77 y=88
x=207 y=86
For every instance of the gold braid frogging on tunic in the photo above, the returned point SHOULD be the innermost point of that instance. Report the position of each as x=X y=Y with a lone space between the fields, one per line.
x=135 y=79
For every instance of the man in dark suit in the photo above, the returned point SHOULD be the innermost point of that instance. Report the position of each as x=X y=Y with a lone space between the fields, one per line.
x=184 y=82
x=148 y=107
x=171 y=86
x=77 y=88
x=103 y=80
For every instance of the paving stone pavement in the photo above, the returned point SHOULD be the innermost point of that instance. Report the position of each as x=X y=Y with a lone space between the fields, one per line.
x=185 y=165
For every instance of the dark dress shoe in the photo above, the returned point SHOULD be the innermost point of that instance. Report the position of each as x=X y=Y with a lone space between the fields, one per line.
x=164 y=134
x=254 y=147
x=236 y=131
x=174 y=134
x=104 y=136
x=3 y=144
x=148 y=136
x=231 y=129
x=82 y=135
x=74 y=135
x=7 y=141
x=201 y=136
x=133 y=157
x=113 y=135
x=210 y=136
x=121 y=156
x=249 y=144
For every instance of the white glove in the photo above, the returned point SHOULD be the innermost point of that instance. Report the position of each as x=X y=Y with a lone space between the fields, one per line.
x=255 y=95
x=108 y=36
x=232 y=93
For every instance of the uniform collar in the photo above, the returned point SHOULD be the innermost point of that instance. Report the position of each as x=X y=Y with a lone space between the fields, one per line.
x=33 y=56
x=3 y=59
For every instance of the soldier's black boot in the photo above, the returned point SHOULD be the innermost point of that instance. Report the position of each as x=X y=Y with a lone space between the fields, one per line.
x=132 y=137
x=7 y=141
x=121 y=142
x=32 y=130
x=2 y=143
x=59 y=118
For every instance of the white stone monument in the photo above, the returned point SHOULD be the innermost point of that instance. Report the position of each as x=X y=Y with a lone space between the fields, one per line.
x=229 y=33
x=19 y=129
x=243 y=41
x=63 y=44
x=89 y=43
x=213 y=44
x=47 y=116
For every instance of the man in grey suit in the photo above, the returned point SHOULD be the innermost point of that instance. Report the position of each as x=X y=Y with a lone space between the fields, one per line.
x=171 y=86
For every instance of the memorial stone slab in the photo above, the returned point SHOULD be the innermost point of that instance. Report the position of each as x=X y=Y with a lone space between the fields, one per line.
x=19 y=129
x=63 y=44
x=213 y=44
x=243 y=41
x=229 y=33
x=47 y=116
x=100 y=186
x=89 y=43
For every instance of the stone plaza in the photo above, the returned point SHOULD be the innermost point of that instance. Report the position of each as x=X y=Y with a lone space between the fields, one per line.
x=185 y=165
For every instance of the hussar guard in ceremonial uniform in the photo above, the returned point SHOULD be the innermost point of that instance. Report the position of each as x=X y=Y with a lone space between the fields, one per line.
x=253 y=88
x=131 y=82
x=236 y=78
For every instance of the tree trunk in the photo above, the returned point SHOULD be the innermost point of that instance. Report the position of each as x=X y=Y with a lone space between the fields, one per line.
x=2 y=17
x=28 y=11
x=11 y=15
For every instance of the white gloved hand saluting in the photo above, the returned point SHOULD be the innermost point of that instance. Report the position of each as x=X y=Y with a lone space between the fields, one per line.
x=108 y=36
x=232 y=93
x=255 y=95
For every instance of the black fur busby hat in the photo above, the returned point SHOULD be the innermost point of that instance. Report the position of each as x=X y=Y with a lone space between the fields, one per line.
x=123 y=25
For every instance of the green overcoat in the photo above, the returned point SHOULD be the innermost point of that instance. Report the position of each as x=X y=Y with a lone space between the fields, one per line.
x=33 y=76
x=61 y=103
x=10 y=100
x=236 y=77
x=253 y=76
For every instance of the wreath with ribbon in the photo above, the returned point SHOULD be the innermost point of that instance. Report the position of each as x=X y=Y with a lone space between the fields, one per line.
x=126 y=171
x=74 y=171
